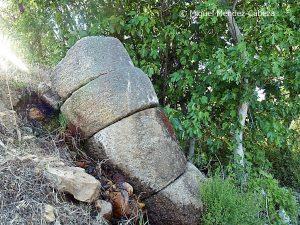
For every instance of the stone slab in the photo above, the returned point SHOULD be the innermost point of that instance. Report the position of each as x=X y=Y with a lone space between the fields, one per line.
x=108 y=99
x=143 y=147
x=89 y=58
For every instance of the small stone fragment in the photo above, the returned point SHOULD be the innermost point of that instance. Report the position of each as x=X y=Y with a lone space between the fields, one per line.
x=105 y=209
x=48 y=214
x=74 y=180
x=127 y=187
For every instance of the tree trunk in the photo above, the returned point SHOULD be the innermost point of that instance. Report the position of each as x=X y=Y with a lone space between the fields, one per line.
x=239 y=152
x=191 y=149
x=243 y=109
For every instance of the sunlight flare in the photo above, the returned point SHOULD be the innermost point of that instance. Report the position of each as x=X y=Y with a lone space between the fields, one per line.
x=7 y=54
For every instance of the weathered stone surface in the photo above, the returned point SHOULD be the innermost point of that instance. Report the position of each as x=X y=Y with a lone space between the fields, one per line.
x=74 y=180
x=49 y=96
x=9 y=97
x=179 y=203
x=8 y=120
x=89 y=58
x=144 y=148
x=127 y=187
x=108 y=99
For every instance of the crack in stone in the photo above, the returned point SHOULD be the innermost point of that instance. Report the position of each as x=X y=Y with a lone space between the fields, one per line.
x=172 y=182
x=154 y=105
x=89 y=80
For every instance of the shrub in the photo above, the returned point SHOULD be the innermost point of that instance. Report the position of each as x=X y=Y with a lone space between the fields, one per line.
x=225 y=204
x=261 y=201
x=280 y=205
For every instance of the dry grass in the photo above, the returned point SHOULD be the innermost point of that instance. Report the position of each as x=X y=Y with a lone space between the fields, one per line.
x=24 y=192
x=24 y=189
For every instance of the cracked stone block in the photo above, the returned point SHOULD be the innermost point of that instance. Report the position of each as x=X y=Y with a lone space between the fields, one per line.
x=108 y=99
x=179 y=203
x=144 y=148
x=89 y=58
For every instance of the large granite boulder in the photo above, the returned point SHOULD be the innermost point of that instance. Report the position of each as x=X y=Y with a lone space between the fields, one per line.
x=88 y=59
x=144 y=148
x=108 y=99
x=115 y=106
x=179 y=203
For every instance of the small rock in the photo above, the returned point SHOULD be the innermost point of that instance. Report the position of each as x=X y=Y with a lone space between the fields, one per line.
x=127 y=187
x=48 y=214
x=35 y=114
x=49 y=96
x=75 y=181
x=27 y=137
x=105 y=209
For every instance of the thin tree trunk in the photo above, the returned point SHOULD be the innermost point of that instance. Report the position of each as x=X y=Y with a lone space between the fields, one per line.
x=243 y=108
x=191 y=149
x=239 y=152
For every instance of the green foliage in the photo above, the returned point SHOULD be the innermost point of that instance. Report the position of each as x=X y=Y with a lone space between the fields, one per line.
x=198 y=72
x=19 y=85
x=63 y=122
x=225 y=204
x=192 y=62
x=261 y=201
x=277 y=200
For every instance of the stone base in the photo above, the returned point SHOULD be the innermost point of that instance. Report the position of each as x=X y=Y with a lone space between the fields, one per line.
x=179 y=203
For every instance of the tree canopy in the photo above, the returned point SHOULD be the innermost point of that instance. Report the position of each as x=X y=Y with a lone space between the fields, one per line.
x=201 y=73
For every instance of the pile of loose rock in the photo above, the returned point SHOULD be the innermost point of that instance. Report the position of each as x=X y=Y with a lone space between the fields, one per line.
x=116 y=109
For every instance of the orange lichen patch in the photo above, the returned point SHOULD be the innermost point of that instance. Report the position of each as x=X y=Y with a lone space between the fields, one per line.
x=74 y=131
x=82 y=164
x=36 y=114
x=168 y=124
x=120 y=202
